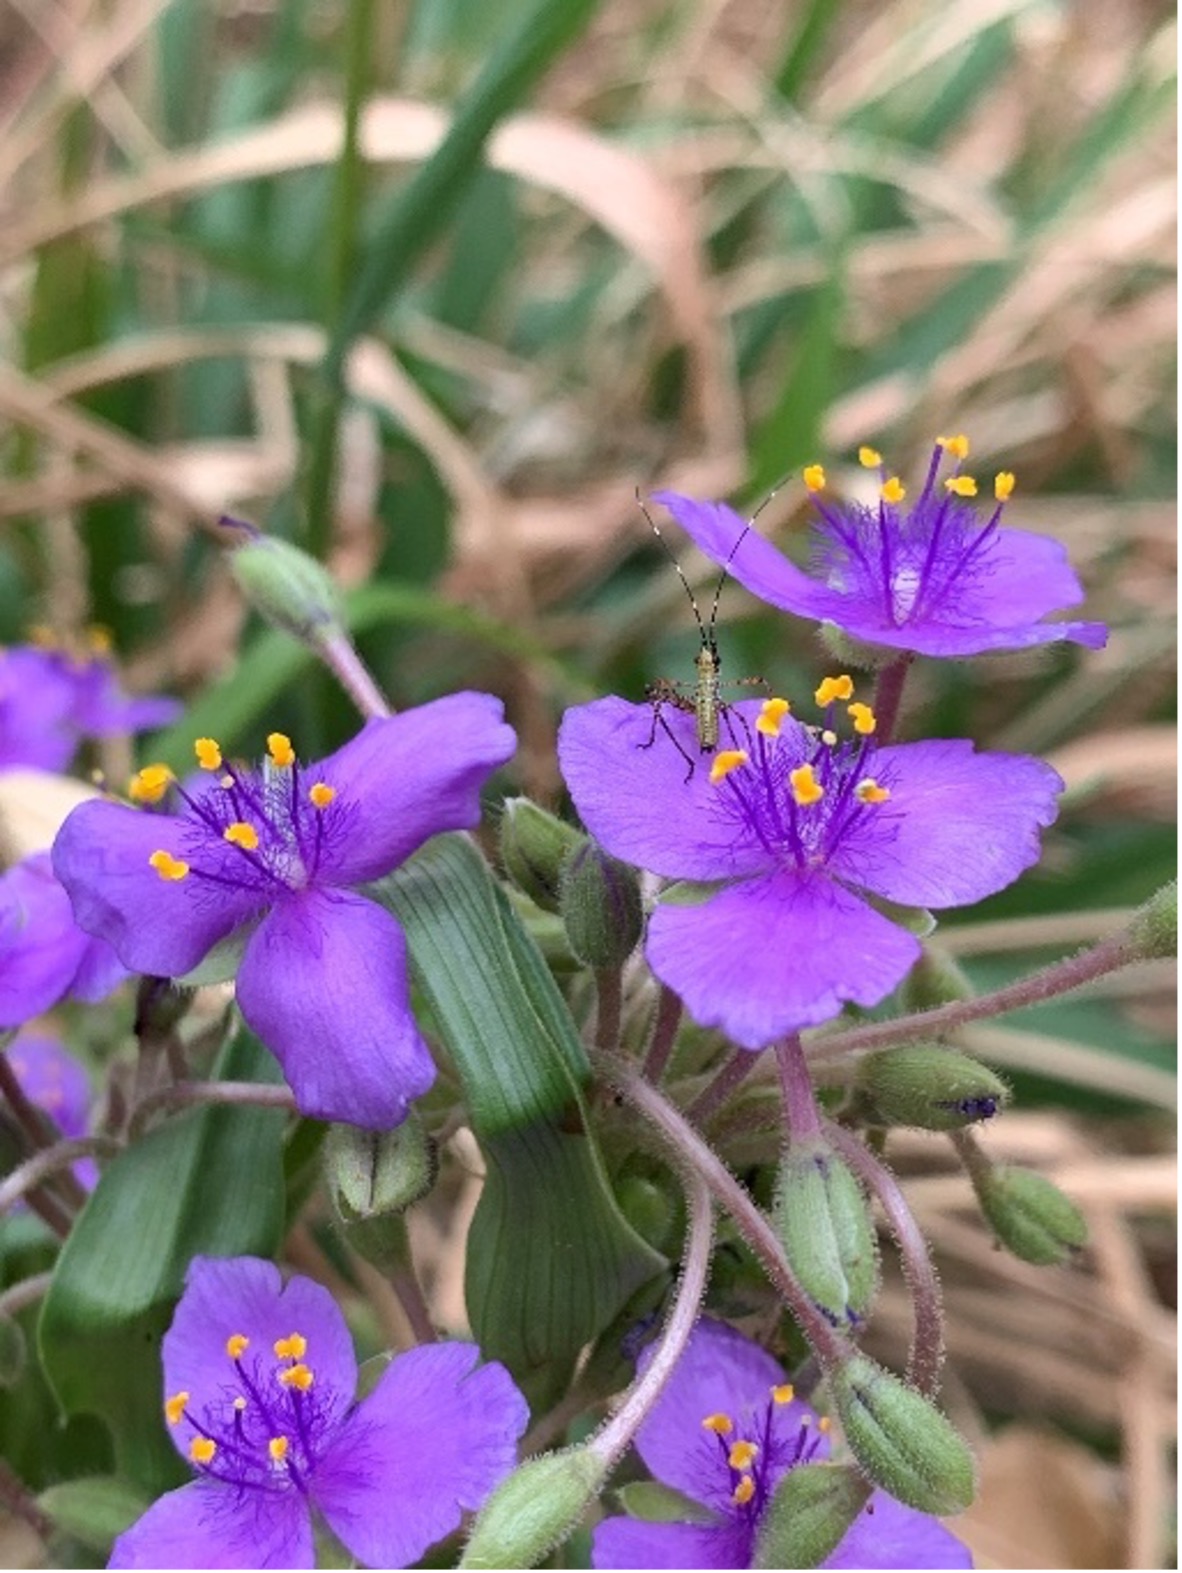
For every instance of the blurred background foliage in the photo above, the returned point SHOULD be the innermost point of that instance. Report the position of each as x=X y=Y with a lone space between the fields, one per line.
x=433 y=287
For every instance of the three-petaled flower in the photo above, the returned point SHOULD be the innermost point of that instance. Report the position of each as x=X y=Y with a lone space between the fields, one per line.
x=260 y=1380
x=274 y=855
x=935 y=577
x=724 y=1432
x=791 y=825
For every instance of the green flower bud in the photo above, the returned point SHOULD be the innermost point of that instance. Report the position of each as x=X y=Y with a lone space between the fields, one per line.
x=924 y=1085
x=287 y=586
x=854 y=652
x=900 y=1440
x=651 y=1210
x=1030 y=1216
x=534 y=845
x=13 y=1351
x=601 y=907
x=936 y=979
x=1154 y=929
x=534 y=1510
x=809 y=1514
x=824 y=1225
x=372 y=1178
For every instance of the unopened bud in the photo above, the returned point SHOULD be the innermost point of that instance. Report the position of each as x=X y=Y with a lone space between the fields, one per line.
x=808 y=1516
x=287 y=586
x=1030 y=1216
x=900 y=1440
x=1154 y=929
x=159 y=1005
x=824 y=1226
x=924 y=1085
x=936 y=979
x=854 y=652
x=534 y=1510
x=534 y=845
x=372 y=1178
x=601 y=907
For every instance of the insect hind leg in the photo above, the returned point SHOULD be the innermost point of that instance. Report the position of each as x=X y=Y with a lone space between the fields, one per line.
x=659 y=695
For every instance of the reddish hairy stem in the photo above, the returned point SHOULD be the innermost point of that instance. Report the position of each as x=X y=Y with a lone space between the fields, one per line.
x=183 y=1094
x=801 y=1115
x=888 y=695
x=715 y=1093
x=664 y=1035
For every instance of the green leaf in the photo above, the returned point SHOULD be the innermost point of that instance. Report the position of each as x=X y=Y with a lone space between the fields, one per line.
x=207 y=1182
x=93 y=1510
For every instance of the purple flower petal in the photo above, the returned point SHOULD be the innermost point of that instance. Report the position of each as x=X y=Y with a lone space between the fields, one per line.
x=410 y=776
x=157 y=926
x=430 y=1442
x=770 y=956
x=225 y=1296
x=888 y=1535
x=53 y=1079
x=636 y=801
x=35 y=702
x=959 y=826
x=99 y=972
x=324 y=984
x=41 y=946
x=632 y=1543
x=102 y=709
x=212 y=1526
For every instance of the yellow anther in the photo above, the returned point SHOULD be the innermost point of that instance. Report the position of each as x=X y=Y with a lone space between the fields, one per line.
x=771 y=716
x=236 y=1344
x=1003 y=485
x=729 y=759
x=744 y=1491
x=869 y=791
x=893 y=490
x=280 y=749
x=297 y=1376
x=834 y=688
x=824 y=1423
x=294 y=1347
x=149 y=784
x=806 y=789
x=174 y=1408
x=240 y=834
x=202 y=1449
x=209 y=754
x=783 y=1394
x=814 y=477
x=43 y=636
x=99 y=639
x=742 y=1454
x=961 y=485
x=863 y=718
x=322 y=794
x=957 y=446
x=720 y=1424
x=277 y=1447
x=167 y=866
x=869 y=458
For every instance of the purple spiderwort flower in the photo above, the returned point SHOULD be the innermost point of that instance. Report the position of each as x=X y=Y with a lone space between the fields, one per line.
x=275 y=854
x=54 y=1080
x=724 y=1432
x=794 y=825
x=259 y=1383
x=935 y=578
x=44 y=955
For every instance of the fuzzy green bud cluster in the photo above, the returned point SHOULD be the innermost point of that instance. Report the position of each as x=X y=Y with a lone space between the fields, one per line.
x=284 y=584
x=936 y=979
x=1154 y=929
x=601 y=907
x=927 y=1086
x=534 y=1510
x=534 y=847
x=808 y=1516
x=1029 y=1214
x=372 y=1177
x=823 y=1222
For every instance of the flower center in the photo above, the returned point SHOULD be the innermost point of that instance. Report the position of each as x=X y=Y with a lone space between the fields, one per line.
x=752 y=1454
x=263 y=1431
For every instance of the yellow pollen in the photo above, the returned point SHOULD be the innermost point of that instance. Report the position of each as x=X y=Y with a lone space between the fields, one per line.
x=824 y=1423
x=280 y=749
x=834 y=688
x=240 y=834
x=957 y=446
x=893 y=490
x=236 y=1344
x=742 y=1454
x=174 y=1408
x=720 y=1424
x=277 y=1447
x=1003 y=485
x=962 y=485
x=209 y=754
x=294 y=1347
x=863 y=718
x=744 y=1491
x=99 y=639
x=814 y=477
x=322 y=794
x=869 y=458
x=784 y=1394
x=167 y=866
x=805 y=788
x=726 y=761
x=771 y=715
x=43 y=636
x=297 y=1376
x=869 y=791
x=202 y=1449
x=149 y=784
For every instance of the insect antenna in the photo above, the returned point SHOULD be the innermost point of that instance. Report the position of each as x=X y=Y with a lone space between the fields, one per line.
x=730 y=556
x=707 y=640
